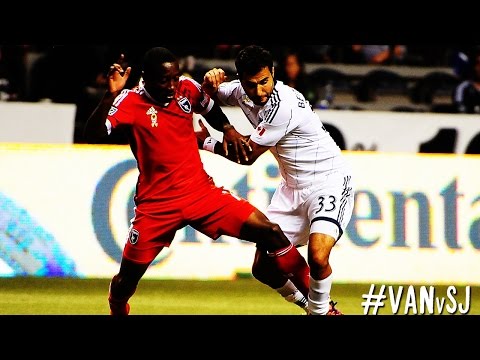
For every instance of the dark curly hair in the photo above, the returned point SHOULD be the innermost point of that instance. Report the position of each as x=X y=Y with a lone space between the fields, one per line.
x=251 y=59
x=154 y=58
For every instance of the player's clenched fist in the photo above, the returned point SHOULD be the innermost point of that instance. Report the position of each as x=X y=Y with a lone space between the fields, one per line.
x=212 y=79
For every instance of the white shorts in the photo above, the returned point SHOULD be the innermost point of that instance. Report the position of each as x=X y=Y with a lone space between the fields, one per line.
x=324 y=208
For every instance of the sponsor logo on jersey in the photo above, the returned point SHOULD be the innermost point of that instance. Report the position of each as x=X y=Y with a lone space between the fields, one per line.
x=133 y=236
x=260 y=130
x=153 y=116
x=112 y=110
x=185 y=105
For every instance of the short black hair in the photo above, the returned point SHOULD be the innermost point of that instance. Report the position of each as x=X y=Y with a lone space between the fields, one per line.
x=156 y=56
x=251 y=59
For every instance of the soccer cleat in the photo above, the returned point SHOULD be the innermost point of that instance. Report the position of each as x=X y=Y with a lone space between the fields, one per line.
x=332 y=310
x=119 y=309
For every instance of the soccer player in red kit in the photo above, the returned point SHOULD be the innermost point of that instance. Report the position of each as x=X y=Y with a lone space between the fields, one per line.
x=173 y=189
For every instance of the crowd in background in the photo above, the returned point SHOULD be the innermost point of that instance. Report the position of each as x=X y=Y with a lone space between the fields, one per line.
x=38 y=72
x=77 y=73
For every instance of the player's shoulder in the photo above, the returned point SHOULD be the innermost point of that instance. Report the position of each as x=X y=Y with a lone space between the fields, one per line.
x=126 y=97
x=131 y=93
x=232 y=85
x=188 y=82
x=284 y=95
x=284 y=90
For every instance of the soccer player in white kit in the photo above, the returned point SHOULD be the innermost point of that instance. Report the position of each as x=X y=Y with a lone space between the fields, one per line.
x=314 y=201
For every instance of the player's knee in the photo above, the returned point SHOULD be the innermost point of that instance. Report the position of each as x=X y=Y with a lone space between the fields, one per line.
x=258 y=268
x=268 y=276
x=266 y=234
x=318 y=261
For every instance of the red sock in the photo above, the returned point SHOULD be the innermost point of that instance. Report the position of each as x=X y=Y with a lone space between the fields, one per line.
x=119 y=308
x=293 y=264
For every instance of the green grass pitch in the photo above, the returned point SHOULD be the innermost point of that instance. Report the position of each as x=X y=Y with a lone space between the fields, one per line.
x=244 y=296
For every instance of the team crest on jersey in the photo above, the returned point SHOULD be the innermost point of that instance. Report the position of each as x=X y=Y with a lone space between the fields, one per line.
x=133 y=236
x=112 y=110
x=246 y=100
x=153 y=116
x=185 y=105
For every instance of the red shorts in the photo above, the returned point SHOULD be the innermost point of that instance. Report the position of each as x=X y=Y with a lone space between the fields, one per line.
x=214 y=211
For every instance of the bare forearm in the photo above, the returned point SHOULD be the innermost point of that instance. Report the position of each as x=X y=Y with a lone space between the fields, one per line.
x=95 y=128
x=217 y=118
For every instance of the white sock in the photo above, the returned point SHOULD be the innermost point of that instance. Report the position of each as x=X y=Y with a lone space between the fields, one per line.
x=319 y=295
x=287 y=289
x=291 y=294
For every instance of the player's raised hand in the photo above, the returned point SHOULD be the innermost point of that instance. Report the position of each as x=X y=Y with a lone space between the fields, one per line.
x=117 y=75
x=212 y=80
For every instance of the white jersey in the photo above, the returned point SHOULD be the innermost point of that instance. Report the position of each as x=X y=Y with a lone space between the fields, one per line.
x=304 y=149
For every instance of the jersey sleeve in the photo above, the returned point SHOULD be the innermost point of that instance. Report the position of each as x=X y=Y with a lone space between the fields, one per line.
x=201 y=102
x=121 y=110
x=276 y=122
x=229 y=93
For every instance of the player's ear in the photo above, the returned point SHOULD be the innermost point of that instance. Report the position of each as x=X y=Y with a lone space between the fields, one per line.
x=273 y=72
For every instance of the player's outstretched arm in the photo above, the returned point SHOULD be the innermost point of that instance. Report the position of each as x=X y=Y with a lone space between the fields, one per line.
x=252 y=149
x=233 y=142
x=95 y=128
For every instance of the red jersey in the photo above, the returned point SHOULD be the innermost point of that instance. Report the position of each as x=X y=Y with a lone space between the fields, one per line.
x=163 y=140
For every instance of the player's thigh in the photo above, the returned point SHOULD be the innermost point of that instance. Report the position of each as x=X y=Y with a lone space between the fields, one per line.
x=220 y=213
x=286 y=209
x=149 y=233
x=330 y=206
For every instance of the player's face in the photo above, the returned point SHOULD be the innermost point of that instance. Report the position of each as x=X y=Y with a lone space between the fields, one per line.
x=259 y=87
x=163 y=83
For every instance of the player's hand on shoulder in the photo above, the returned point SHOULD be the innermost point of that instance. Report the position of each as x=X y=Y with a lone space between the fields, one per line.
x=212 y=80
